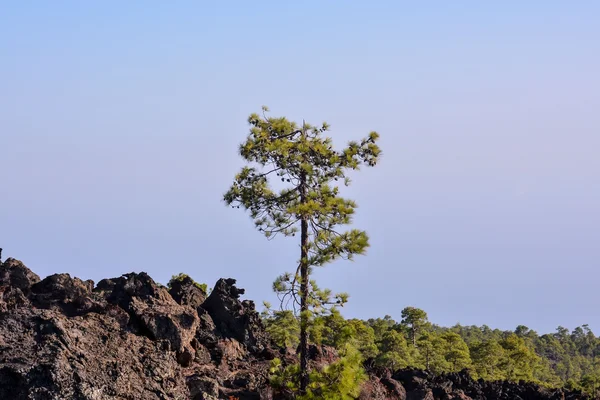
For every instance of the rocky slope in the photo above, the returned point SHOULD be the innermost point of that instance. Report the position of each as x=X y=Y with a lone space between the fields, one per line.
x=129 y=338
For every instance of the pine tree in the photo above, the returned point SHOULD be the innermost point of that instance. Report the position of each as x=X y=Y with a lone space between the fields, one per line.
x=393 y=350
x=457 y=351
x=519 y=360
x=415 y=319
x=486 y=358
x=432 y=351
x=306 y=162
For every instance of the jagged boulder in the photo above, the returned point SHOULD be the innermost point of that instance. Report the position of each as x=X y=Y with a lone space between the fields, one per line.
x=153 y=312
x=236 y=320
x=380 y=385
x=15 y=274
x=15 y=284
x=186 y=292
x=59 y=291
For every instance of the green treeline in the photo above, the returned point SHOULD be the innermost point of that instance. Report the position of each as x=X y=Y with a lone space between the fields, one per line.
x=562 y=358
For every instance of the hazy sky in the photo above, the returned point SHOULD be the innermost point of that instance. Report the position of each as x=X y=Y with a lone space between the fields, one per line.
x=120 y=121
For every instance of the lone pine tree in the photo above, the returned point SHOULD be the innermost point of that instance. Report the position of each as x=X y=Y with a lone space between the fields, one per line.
x=308 y=166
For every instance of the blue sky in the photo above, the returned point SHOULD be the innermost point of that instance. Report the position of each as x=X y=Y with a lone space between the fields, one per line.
x=119 y=126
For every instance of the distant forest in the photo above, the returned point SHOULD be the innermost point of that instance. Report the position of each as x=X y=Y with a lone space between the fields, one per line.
x=560 y=359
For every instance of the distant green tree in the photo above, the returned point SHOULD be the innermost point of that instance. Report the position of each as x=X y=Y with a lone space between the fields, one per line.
x=457 y=351
x=585 y=341
x=487 y=357
x=519 y=361
x=361 y=336
x=567 y=369
x=306 y=162
x=381 y=325
x=590 y=383
x=415 y=320
x=544 y=373
x=432 y=353
x=528 y=335
x=522 y=331
x=469 y=334
x=549 y=346
x=393 y=350
x=333 y=330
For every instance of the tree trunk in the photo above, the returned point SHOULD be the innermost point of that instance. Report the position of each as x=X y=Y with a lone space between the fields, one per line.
x=303 y=290
x=304 y=308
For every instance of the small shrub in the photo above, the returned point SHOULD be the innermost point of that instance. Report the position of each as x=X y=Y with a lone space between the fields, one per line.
x=340 y=380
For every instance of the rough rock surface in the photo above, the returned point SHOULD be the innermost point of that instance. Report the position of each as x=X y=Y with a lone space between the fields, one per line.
x=411 y=384
x=126 y=338
x=129 y=338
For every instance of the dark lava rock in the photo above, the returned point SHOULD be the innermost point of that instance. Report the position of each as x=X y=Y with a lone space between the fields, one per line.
x=421 y=385
x=70 y=295
x=185 y=292
x=237 y=320
x=127 y=338
x=16 y=275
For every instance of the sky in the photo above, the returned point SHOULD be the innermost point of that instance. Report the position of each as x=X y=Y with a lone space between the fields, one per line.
x=120 y=123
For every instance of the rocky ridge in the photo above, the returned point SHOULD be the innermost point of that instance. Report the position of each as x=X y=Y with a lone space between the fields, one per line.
x=130 y=338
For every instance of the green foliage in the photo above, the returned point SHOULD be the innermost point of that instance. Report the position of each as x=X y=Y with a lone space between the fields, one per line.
x=432 y=353
x=590 y=383
x=340 y=380
x=393 y=350
x=456 y=351
x=283 y=378
x=283 y=326
x=328 y=329
x=569 y=359
x=181 y=277
x=487 y=357
x=414 y=319
x=381 y=325
x=520 y=360
x=362 y=336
